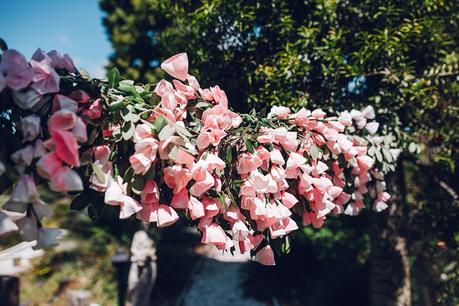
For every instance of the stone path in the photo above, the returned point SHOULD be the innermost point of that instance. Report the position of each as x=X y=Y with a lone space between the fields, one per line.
x=217 y=280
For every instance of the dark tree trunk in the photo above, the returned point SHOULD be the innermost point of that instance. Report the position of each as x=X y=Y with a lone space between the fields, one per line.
x=390 y=271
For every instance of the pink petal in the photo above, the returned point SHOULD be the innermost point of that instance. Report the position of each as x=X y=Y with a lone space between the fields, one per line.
x=129 y=206
x=215 y=235
x=196 y=208
x=65 y=179
x=66 y=147
x=79 y=130
x=176 y=66
x=265 y=256
x=61 y=102
x=48 y=165
x=62 y=120
x=166 y=216
x=45 y=79
x=181 y=199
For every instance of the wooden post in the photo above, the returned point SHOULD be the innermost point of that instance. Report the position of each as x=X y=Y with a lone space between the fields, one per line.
x=9 y=290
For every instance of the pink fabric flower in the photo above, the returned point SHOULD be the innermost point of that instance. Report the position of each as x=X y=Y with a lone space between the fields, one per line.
x=183 y=89
x=202 y=185
x=215 y=235
x=147 y=147
x=66 y=147
x=176 y=66
x=61 y=102
x=280 y=112
x=181 y=199
x=150 y=193
x=79 y=131
x=206 y=94
x=62 y=120
x=216 y=136
x=219 y=95
x=193 y=82
x=166 y=216
x=265 y=256
x=94 y=111
x=129 y=207
x=163 y=88
x=148 y=213
x=45 y=79
x=247 y=163
x=19 y=77
x=289 y=200
x=30 y=126
x=66 y=179
x=365 y=162
x=18 y=72
x=102 y=154
x=240 y=231
x=140 y=163
x=196 y=208
x=176 y=177
x=48 y=165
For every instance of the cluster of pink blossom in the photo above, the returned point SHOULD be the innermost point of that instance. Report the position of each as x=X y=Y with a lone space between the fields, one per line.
x=50 y=143
x=279 y=177
x=243 y=180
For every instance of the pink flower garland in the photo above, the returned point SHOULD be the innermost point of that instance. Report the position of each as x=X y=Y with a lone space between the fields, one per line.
x=243 y=180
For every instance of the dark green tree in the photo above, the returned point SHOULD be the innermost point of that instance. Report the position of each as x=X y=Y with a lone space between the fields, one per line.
x=400 y=56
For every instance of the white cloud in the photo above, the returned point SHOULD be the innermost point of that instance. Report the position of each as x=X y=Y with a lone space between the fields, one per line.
x=64 y=39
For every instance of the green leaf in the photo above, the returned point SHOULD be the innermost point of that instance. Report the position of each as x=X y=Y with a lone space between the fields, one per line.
x=160 y=122
x=127 y=86
x=129 y=114
x=229 y=156
x=182 y=131
x=173 y=154
x=150 y=175
x=249 y=146
x=127 y=131
x=117 y=105
x=96 y=167
x=137 y=184
x=222 y=200
x=113 y=77
x=127 y=177
x=81 y=201
x=315 y=152
x=285 y=246
x=203 y=105
x=166 y=132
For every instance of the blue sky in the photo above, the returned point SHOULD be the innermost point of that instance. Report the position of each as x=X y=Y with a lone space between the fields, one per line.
x=73 y=27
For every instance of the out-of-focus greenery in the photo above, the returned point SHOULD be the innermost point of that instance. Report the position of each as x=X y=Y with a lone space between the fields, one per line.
x=400 y=56
x=80 y=262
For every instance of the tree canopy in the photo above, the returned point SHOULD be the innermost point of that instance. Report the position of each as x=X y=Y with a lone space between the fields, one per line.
x=399 y=56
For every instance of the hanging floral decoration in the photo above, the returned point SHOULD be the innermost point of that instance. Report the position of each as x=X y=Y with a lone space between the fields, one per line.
x=175 y=150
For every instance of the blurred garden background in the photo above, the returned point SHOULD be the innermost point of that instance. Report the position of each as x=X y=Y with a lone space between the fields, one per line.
x=402 y=57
